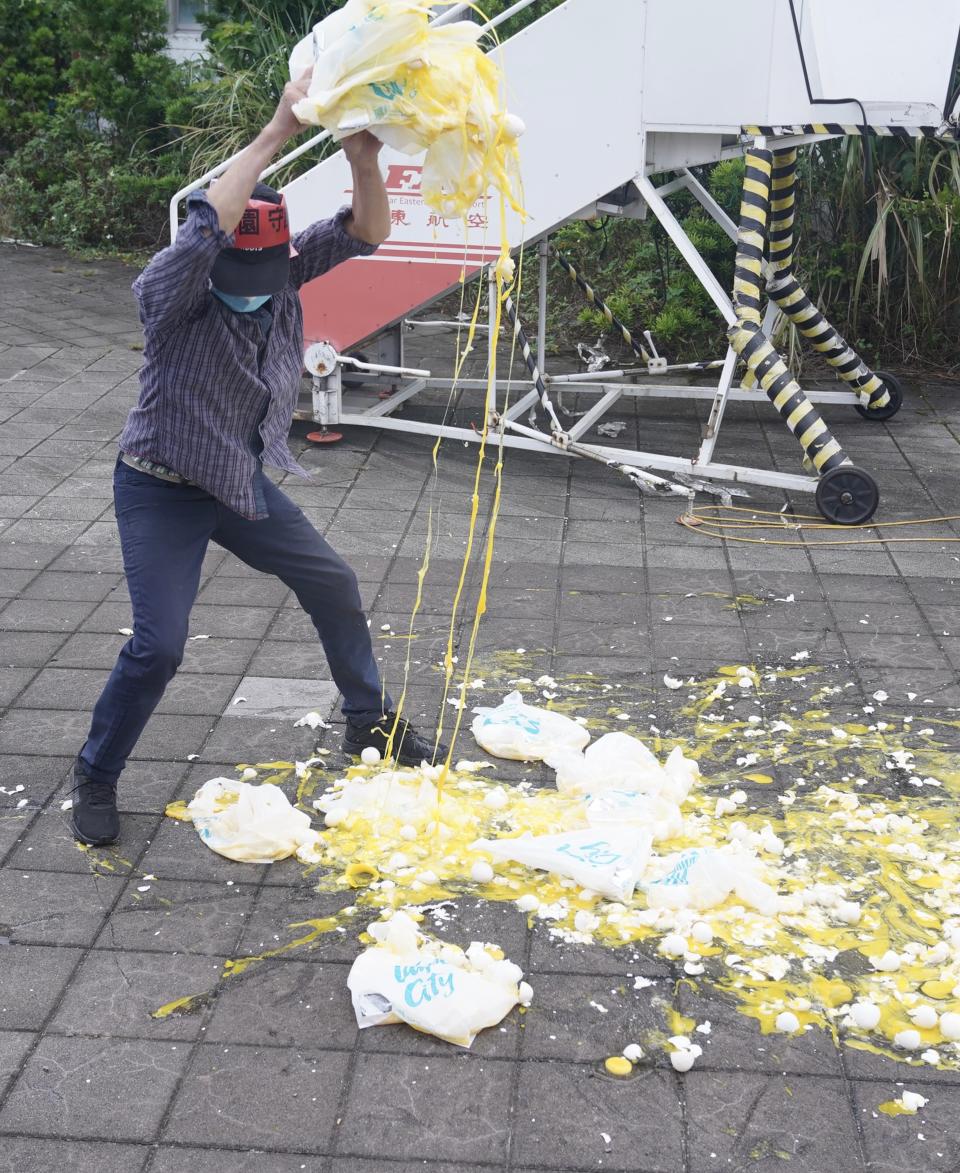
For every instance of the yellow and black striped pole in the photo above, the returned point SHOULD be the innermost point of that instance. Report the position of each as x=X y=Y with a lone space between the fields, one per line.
x=746 y=336
x=525 y=349
x=531 y=363
x=783 y=197
x=779 y=234
x=786 y=291
x=597 y=302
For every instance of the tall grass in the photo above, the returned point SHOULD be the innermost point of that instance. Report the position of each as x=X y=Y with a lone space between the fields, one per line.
x=236 y=89
x=876 y=244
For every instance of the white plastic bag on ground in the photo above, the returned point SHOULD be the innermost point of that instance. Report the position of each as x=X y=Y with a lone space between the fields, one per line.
x=702 y=878
x=406 y=796
x=432 y=986
x=379 y=65
x=619 y=761
x=627 y=808
x=524 y=732
x=609 y=861
x=251 y=824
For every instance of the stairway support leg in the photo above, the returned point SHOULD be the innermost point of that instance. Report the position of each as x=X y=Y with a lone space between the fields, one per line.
x=492 y=340
x=543 y=253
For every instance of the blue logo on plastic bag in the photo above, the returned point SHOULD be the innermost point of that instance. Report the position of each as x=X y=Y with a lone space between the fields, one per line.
x=679 y=874
x=517 y=720
x=424 y=983
x=598 y=854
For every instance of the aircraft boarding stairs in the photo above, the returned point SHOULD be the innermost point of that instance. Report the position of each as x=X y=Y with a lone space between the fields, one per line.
x=614 y=92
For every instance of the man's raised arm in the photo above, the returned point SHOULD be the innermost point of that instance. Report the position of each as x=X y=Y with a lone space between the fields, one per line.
x=370 y=219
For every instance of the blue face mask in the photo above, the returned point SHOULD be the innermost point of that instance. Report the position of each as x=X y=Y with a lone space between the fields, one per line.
x=242 y=305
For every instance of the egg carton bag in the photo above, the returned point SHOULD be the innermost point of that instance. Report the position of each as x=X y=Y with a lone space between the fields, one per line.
x=608 y=860
x=704 y=877
x=628 y=808
x=379 y=65
x=620 y=762
x=252 y=824
x=525 y=733
x=437 y=988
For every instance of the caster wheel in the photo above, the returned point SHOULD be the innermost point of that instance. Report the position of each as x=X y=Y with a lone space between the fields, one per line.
x=324 y=437
x=847 y=495
x=895 y=392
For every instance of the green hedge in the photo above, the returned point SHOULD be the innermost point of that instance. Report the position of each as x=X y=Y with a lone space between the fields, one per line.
x=87 y=157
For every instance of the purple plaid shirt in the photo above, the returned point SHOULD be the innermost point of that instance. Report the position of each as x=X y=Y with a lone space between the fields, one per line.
x=204 y=389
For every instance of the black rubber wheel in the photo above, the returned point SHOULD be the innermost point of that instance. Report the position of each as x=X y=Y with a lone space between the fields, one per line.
x=894 y=390
x=846 y=495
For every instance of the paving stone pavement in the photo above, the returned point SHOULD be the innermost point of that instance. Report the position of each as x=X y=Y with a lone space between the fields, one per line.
x=270 y=1074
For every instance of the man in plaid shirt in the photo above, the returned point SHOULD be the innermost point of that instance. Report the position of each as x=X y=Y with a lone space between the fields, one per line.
x=219 y=383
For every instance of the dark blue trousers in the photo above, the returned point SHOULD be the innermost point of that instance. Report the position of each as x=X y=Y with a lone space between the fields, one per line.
x=164 y=532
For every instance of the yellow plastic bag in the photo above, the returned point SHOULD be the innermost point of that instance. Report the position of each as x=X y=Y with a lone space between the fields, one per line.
x=378 y=65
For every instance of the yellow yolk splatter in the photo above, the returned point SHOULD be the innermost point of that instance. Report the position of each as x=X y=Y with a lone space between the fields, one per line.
x=895 y=1108
x=180 y=1006
x=867 y=868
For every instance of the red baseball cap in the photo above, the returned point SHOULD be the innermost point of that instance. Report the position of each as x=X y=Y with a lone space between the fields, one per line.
x=259 y=261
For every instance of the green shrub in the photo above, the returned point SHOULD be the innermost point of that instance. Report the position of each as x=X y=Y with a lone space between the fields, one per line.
x=236 y=90
x=92 y=163
x=69 y=186
x=635 y=268
x=32 y=65
x=243 y=34
x=119 y=78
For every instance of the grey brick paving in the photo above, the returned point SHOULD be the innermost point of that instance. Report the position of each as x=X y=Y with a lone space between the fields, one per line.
x=267 y=1072
x=893 y=1144
x=185 y=1159
x=87 y=1087
x=114 y=993
x=31 y=982
x=258 y=1097
x=450 y=1108
x=178 y=916
x=564 y=1110
x=33 y=1155
x=764 y=1122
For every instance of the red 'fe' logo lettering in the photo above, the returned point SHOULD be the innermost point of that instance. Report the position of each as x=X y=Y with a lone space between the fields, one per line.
x=403 y=177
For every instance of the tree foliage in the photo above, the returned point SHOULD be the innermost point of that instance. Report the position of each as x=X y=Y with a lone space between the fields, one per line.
x=242 y=34
x=85 y=130
x=119 y=77
x=32 y=66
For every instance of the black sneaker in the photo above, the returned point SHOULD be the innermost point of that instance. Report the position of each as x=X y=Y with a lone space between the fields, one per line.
x=94 y=816
x=409 y=748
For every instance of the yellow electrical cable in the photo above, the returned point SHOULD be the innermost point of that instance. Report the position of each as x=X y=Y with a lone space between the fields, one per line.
x=712 y=521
